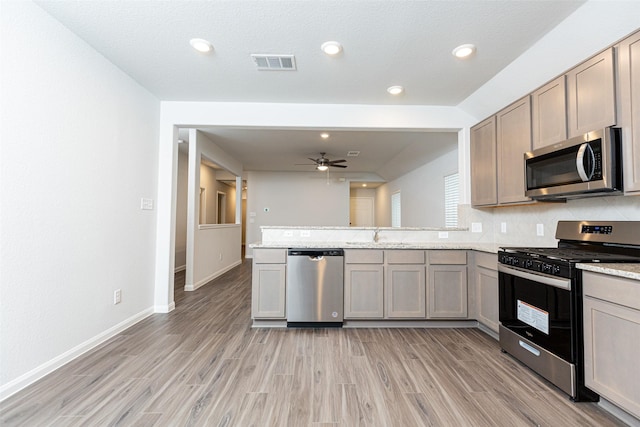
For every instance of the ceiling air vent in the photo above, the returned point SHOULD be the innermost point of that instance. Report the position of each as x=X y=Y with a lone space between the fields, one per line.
x=274 y=62
x=353 y=153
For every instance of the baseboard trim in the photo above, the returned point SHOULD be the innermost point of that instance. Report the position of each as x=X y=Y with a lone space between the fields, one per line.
x=164 y=308
x=410 y=324
x=46 y=368
x=209 y=278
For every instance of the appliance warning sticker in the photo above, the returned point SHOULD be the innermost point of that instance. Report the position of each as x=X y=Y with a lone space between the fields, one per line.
x=533 y=316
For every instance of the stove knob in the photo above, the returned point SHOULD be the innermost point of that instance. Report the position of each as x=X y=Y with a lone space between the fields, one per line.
x=516 y=261
x=528 y=263
x=546 y=268
x=556 y=269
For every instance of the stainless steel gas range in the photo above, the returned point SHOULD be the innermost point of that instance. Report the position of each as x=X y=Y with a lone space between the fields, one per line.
x=541 y=297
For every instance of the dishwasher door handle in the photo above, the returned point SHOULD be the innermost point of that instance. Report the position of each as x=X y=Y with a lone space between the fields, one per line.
x=316 y=257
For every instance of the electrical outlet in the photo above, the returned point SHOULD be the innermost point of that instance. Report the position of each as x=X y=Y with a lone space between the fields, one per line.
x=443 y=234
x=476 y=227
x=220 y=257
x=540 y=229
x=117 y=296
x=305 y=233
x=288 y=233
x=503 y=227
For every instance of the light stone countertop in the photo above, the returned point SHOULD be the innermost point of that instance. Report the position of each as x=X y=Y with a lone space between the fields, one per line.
x=482 y=247
x=630 y=271
x=348 y=227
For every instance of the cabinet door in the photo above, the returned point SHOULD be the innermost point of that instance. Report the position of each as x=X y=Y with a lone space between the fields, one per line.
x=514 y=139
x=611 y=349
x=405 y=291
x=363 y=291
x=629 y=94
x=268 y=291
x=549 y=114
x=486 y=297
x=483 y=163
x=447 y=292
x=591 y=101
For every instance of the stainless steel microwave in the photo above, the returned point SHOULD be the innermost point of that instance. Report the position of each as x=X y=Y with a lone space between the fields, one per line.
x=584 y=166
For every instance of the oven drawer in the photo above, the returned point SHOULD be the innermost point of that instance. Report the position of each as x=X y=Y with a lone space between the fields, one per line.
x=558 y=371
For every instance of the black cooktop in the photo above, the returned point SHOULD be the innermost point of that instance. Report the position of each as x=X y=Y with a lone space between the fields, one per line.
x=571 y=255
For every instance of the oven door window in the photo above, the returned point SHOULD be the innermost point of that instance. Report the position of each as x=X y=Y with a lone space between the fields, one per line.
x=538 y=312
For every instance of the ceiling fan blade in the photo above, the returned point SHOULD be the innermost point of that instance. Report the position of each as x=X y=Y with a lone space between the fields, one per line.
x=314 y=160
x=337 y=161
x=337 y=166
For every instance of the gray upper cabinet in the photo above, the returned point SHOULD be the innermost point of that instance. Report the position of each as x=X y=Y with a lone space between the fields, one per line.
x=483 y=163
x=629 y=98
x=513 y=140
x=549 y=114
x=591 y=100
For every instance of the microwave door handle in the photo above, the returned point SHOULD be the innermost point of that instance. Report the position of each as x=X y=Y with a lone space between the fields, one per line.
x=580 y=162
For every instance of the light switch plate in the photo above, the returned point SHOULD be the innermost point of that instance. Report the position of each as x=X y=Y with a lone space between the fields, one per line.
x=476 y=227
x=443 y=234
x=305 y=233
x=540 y=229
x=146 y=204
x=503 y=227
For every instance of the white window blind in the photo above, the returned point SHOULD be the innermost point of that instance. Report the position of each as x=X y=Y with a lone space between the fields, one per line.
x=395 y=209
x=451 y=197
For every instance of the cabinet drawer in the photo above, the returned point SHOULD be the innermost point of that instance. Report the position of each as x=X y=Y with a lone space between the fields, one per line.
x=363 y=256
x=614 y=289
x=486 y=260
x=401 y=256
x=270 y=256
x=448 y=257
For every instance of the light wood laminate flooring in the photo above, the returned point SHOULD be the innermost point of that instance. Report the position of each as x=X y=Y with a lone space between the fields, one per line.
x=203 y=365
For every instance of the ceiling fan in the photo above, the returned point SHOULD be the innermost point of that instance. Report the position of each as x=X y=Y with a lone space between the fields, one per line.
x=322 y=163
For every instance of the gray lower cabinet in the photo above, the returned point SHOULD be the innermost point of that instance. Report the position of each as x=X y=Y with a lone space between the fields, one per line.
x=447 y=285
x=268 y=284
x=405 y=284
x=485 y=284
x=363 y=284
x=612 y=338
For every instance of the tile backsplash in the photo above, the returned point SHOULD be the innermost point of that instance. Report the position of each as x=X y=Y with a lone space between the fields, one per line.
x=522 y=222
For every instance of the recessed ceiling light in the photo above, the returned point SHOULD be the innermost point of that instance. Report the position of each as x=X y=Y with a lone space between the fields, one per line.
x=395 y=90
x=364 y=185
x=464 y=51
x=201 y=45
x=324 y=135
x=331 y=48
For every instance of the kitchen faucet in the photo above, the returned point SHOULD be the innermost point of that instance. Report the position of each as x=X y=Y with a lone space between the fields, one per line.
x=376 y=237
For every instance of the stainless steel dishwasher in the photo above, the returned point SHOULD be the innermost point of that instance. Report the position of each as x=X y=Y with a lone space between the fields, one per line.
x=315 y=287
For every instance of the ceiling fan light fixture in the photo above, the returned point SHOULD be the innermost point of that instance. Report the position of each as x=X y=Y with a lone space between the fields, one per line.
x=331 y=48
x=322 y=168
x=201 y=45
x=395 y=90
x=464 y=51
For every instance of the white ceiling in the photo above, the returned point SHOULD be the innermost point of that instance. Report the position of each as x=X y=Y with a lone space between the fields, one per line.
x=386 y=43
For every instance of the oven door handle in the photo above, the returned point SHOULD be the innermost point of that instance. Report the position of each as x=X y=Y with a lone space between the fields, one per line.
x=551 y=281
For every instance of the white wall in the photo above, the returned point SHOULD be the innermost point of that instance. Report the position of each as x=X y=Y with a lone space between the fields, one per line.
x=212 y=249
x=294 y=198
x=421 y=193
x=79 y=151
